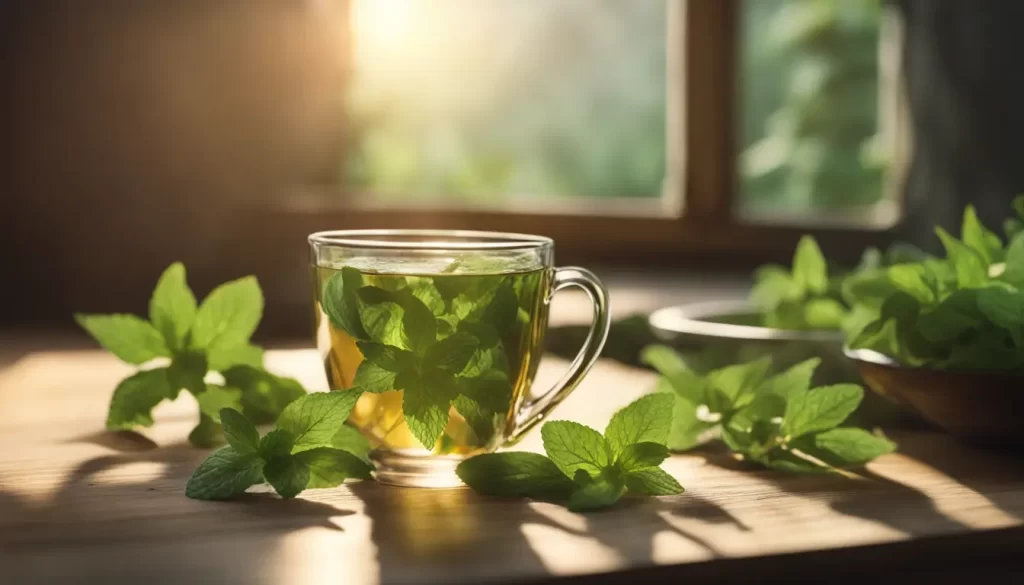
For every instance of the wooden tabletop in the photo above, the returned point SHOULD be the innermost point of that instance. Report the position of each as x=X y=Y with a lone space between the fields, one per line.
x=78 y=504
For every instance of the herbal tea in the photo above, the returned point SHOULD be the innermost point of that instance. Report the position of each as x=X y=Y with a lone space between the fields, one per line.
x=441 y=359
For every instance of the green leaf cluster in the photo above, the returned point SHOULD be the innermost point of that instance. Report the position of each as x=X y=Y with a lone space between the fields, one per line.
x=778 y=420
x=583 y=468
x=962 y=312
x=309 y=448
x=803 y=297
x=439 y=340
x=197 y=339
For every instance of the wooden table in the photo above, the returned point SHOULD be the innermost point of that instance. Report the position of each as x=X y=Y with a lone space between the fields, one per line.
x=78 y=504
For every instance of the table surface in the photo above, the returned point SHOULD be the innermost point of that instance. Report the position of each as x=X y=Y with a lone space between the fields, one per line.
x=78 y=504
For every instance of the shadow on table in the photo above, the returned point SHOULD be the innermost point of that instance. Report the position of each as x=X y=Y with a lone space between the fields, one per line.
x=421 y=533
x=869 y=496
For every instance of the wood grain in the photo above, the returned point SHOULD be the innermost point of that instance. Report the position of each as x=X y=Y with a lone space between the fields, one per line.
x=78 y=504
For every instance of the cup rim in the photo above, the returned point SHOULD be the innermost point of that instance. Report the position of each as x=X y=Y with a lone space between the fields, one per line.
x=435 y=239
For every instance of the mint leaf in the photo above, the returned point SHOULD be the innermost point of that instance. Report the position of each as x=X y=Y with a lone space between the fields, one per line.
x=595 y=493
x=501 y=312
x=276 y=443
x=846 y=447
x=239 y=432
x=229 y=315
x=390 y=358
x=670 y=364
x=809 y=268
x=820 y=409
x=428 y=294
x=216 y=398
x=381 y=317
x=188 y=370
x=426 y=401
x=172 y=309
x=207 y=433
x=480 y=419
x=314 y=419
x=976 y=237
x=795 y=380
x=517 y=474
x=330 y=467
x=736 y=381
x=1002 y=307
x=452 y=353
x=340 y=302
x=126 y=336
x=491 y=390
x=687 y=429
x=642 y=456
x=910 y=278
x=226 y=473
x=288 y=474
x=374 y=379
x=135 y=397
x=782 y=460
x=1013 y=272
x=648 y=419
x=221 y=358
x=574 y=447
x=264 y=395
x=418 y=323
x=971 y=270
x=774 y=285
x=653 y=482
x=350 y=439
x=823 y=314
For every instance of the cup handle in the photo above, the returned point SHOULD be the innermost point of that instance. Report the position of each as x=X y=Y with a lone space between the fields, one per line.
x=533 y=411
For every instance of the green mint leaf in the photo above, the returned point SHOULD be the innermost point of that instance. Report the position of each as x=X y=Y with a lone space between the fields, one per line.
x=207 y=433
x=418 y=324
x=314 y=419
x=782 y=460
x=516 y=474
x=687 y=429
x=452 y=353
x=1002 y=307
x=428 y=294
x=135 y=397
x=216 y=398
x=910 y=278
x=1013 y=271
x=264 y=395
x=221 y=358
x=288 y=474
x=188 y=370
x=226 y=473
x=480 y=419
x=976 y=237
x=128 y=337
x=504 y=307
x=971 y=270
x=390 y=358
x=426 y=402
x=670 y=364
x=382 y=320
x=331 y=467
x=642 y=456
x=239 y=432
x=823 y=314
x=276 y=443
x=374 y=379
x=820 y=409
x=340 y=302
x=845 y=447
x=737 y=381
x=647 y=419
x=172 y=308
x=955 y=315
x=228 y=316
x=573 y=447
x=795 y=380
x=773 y=286
x=652 y=482
x=350 y=439
x=596 y=493
x=491 y=390
x=809 y=268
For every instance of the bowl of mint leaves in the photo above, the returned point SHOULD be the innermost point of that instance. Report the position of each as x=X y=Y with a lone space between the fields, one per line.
x=945 y=336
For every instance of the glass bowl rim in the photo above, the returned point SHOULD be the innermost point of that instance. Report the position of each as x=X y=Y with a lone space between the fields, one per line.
x=434 y=239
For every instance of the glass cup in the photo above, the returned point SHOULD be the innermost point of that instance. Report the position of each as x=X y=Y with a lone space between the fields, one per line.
x=442 y=332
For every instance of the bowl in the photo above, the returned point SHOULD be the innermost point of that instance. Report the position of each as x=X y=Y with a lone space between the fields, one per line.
x=716 y=334
x=982 y=408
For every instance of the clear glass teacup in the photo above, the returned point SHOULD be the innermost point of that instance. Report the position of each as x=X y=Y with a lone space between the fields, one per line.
x=442 y=332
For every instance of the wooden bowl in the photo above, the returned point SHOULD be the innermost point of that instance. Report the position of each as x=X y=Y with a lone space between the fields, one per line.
x=984 y=408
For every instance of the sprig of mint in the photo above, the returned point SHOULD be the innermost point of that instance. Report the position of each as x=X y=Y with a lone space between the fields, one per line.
x=584 y=469
x=309 y=448
x=778 y=420
x=803 y=297
x=961 y=312
x=197 y=339
x=437 y=340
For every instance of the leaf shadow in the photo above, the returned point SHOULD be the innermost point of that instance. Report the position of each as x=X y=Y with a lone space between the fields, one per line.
x=122 y=441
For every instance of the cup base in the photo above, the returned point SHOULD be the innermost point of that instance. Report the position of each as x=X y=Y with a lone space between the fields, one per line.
x=432 y=471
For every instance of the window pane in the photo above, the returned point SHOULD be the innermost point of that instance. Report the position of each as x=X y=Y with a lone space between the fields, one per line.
x=492 y=100
x=810 y=111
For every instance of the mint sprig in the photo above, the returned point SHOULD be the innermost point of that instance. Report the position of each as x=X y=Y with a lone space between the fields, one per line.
x=196 y=339
x=306 y=450
x=778 y=420
x=439 y=342
x=583 y=468
x=803 y=297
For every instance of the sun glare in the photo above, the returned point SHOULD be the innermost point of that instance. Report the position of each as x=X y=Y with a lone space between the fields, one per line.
x=383 y=27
